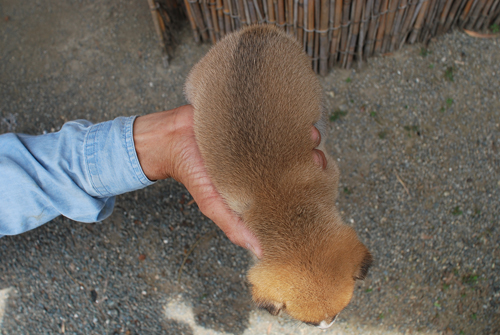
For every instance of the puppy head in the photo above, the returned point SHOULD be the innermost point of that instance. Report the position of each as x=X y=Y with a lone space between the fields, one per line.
x=312 y=284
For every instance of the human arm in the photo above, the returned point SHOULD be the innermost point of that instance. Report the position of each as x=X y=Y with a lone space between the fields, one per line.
x=77 y=171
x=166 y=147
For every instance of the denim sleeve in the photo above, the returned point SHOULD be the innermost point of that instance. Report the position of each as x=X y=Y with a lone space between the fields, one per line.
x=76 y=172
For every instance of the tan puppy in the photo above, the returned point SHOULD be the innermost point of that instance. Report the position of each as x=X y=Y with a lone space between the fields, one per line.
x=256 y=99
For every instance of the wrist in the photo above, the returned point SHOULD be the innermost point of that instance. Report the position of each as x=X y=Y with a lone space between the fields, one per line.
x=156 y=137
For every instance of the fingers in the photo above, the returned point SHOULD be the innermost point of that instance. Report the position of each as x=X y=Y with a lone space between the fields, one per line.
x=319 y=158
x=214 y=208
x=316 y=136
x=190 y=171
x=318 y=155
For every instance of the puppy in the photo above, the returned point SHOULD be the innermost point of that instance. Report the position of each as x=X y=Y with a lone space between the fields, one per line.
x=256 y=99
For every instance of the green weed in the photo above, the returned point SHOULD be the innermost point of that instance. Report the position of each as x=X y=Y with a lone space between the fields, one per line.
x=470 y=279
x=337 y=115
x=448 y=74
x=456 y=211
x=411 y=128
x=424 y=52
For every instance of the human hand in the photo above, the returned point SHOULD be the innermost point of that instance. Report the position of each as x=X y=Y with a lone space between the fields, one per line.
x=166 y=147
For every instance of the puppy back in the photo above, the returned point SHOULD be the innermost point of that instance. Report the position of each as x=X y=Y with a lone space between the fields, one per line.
x=255 y=98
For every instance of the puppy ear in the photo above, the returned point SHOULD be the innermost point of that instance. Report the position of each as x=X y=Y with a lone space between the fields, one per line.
x=274 y=308
x=364 y=266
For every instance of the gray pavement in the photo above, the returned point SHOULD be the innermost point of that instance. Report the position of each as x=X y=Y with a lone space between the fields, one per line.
x=416 y=134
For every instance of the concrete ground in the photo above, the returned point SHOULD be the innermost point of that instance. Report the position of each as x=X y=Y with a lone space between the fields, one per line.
x=416 y=134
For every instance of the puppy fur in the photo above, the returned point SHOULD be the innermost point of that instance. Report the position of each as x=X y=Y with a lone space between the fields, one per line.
x=255 y=99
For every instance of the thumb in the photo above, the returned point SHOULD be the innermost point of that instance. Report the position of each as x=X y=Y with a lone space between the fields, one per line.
x=213 y=206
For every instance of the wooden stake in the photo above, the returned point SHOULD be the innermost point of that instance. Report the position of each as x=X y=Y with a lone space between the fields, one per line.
x=156 y=23
x=475 y=14
x=336 y=33
x=251 y=11
x=418 y=24
x=363 y=29
x=242 y=13
x=358 y=10
x=317 y=4
x=427 y=28
x=381 y=27
x=484 y=15
x=306 y=15
x=258 y=10
x=270 y=12
x=492 y=13
x=198 y=18
x=281 y=14
x=346 y=14
x=300 y=22
x=444 y=15
x=191 y=21
x=220 y=17
x=235 y=15
x=452 y=15
x=208 y=21
x=323 y=37
x=215 y=21
x=465 y=13
x=397 y=26
x=227 y=17
x=389 y=23
x=310 y=28
x=289 y=10
x=372 y=29
x=406 y=22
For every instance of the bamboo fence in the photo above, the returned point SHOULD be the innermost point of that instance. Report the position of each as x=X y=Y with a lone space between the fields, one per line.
x=339 y=32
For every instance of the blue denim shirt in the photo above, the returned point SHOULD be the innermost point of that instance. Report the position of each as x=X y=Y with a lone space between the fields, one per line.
x=76 y=172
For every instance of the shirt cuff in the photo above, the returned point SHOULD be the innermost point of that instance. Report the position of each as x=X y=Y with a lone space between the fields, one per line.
x=111 y=161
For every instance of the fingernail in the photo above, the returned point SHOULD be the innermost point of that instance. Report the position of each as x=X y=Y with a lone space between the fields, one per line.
x=316 y=136
x=320 y=158
x=252 y=249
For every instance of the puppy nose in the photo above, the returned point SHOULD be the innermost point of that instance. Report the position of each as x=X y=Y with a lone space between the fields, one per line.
x=327 y=323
